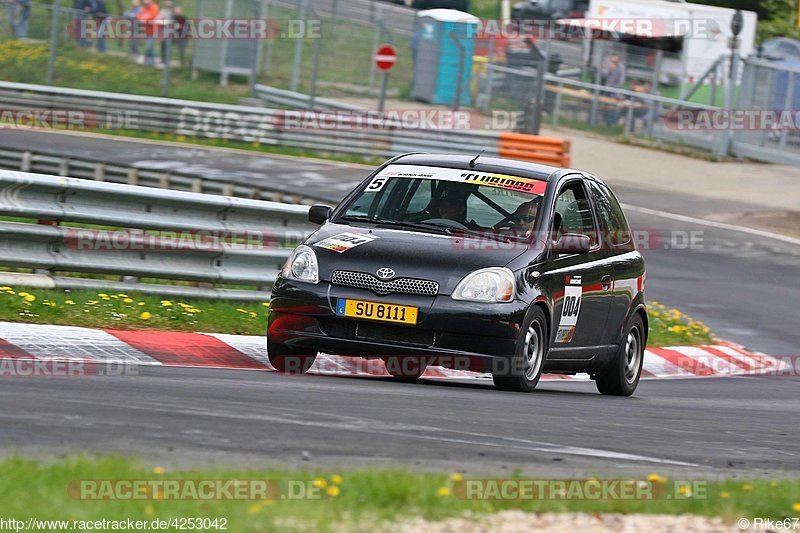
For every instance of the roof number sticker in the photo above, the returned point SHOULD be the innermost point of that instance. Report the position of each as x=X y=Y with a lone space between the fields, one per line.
x=342 y=242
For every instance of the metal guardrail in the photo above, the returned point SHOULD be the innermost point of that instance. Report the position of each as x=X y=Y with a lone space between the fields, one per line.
x=44 y=162
x=205 y=243
x=242 y=123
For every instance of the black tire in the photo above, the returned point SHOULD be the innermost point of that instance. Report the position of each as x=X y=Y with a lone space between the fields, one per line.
x=288 y=362
x=622 y=378
x=530 y=355
x=406 y=368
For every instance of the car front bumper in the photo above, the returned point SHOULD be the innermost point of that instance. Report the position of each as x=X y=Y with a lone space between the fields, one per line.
x=457 y=334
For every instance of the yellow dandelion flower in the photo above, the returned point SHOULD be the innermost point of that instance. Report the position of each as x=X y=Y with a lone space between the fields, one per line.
x=747 y=487
x=337 y=479
x=166 y=303
x=254 y=508
x=69 y=302
x=456 y=476
x=796 y=507
x=725 y=495
x=333 y=491
x=655 y=478
x=102 y=295
x=145 y=316
x=159 y=470
x=121 y=295
x=443 y=491
x=140 y=304
x=128 y=300
x=320 y=483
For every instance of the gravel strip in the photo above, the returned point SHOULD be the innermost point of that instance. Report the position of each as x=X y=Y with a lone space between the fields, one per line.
x=515 y=521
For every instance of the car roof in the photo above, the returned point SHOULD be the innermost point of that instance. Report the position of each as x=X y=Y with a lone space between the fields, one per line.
x=498 y=165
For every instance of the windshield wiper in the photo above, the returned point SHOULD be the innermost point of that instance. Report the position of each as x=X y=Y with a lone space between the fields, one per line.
x=399 y=223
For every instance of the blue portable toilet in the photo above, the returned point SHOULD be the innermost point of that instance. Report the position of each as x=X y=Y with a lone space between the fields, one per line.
x=443 y=37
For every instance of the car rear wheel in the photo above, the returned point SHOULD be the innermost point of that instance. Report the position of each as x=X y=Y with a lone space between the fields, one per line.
x=405 y=367
x=286 y=361
x=622 y=378
x=529 y=357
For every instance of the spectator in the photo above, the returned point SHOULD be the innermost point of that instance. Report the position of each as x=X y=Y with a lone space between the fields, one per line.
x=612 y=74
x=180 y=41
x=165 y=18
x=146 y=17
x=130 y=18
x=96 y=9
x=18 y=12
x=646 y=110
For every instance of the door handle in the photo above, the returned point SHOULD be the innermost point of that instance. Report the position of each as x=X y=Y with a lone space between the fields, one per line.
x=606 y=281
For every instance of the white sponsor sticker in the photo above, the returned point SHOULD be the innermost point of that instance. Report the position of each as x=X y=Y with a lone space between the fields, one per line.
x=570 y=309
x=342 y=242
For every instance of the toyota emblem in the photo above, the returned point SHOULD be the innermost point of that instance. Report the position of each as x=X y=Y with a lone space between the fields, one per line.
x=385 y=273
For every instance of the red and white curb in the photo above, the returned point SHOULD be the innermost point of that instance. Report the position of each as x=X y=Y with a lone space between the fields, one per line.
x=217 y=350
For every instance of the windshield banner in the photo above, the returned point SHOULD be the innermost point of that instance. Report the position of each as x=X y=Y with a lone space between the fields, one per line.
x=486 y=179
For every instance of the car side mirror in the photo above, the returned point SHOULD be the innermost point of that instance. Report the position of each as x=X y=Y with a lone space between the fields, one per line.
x=319 y=214
x=572 y=243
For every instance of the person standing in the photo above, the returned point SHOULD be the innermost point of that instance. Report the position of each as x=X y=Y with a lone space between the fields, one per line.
x=18 y=12
x=612 y=74
x=164 y=25
x=180 y=40
x=96 y=9
x=130 y=18
x=146 y=18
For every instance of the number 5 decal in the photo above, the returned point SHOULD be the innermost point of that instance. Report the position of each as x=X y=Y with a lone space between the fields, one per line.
x=377 y=183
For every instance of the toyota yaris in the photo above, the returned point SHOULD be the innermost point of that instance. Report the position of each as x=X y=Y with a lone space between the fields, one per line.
x=481 y=264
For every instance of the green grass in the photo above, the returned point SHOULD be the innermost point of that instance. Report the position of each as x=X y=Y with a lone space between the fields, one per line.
x=668 y=327
x=361 y=497
x=131 y=311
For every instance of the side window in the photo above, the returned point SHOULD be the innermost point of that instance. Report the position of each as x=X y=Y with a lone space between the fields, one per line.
x=609 y=210
x=573 y=213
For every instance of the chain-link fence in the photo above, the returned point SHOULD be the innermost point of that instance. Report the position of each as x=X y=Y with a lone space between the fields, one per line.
x=770 y=94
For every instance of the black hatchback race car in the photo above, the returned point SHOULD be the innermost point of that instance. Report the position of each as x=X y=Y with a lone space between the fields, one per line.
x=481 y=264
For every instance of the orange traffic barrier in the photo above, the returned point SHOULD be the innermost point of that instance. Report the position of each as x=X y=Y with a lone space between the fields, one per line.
x=546 y=150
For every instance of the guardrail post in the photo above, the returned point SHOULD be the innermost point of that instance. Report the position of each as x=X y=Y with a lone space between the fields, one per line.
x=557 y=106
x=100 y=172
x=133 y=176
x=63 y=166
x=197 y=185
x=163 y=181
x=25 y=163
x=227 y=189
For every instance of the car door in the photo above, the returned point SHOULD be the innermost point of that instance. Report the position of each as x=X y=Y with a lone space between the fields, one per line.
x=580 y=283
x=626 y=264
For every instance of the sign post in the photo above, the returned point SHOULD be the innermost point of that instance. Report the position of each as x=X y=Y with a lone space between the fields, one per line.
x=385 y=58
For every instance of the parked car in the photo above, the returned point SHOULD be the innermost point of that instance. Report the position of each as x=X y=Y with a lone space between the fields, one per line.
x=549 y=9
x=780 y=49
x=481 y=264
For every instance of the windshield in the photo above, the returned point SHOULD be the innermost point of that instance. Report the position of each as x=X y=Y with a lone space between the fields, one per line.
x=447 y=200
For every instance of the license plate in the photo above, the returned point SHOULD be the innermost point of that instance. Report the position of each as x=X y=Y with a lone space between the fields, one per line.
x=402 y=314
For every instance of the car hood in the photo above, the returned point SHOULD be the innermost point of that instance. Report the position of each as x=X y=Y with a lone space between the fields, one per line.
x=410 y=253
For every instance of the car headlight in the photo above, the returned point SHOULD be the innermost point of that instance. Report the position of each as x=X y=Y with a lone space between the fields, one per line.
x=302 y=265
x=495 y=284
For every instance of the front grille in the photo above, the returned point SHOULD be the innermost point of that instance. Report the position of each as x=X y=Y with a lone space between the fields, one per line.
x=362 y=280
x=354 y=329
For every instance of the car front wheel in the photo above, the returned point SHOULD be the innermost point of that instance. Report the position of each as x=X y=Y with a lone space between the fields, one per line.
x=529 y=357
x=287 y=361
x=622 y=378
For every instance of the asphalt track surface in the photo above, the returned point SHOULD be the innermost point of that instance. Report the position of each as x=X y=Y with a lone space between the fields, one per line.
x=742 y=285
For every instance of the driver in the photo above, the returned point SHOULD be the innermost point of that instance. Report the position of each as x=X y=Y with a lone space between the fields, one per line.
x=524 y=216
x=453 y=207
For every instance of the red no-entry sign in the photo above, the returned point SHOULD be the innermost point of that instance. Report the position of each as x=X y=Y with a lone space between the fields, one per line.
x=385 y=57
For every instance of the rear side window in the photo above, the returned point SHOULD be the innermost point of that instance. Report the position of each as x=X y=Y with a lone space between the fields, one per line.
x=610 y=212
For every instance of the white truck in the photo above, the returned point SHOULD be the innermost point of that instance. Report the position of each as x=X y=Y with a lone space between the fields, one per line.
x=698 y=34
